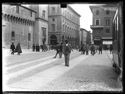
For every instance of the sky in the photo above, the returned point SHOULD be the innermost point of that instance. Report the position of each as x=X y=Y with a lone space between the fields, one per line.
x=86 y=15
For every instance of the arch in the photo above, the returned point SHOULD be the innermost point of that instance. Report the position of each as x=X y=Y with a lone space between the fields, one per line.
x=19 y=20
x=11 y=18
x=7 y=17
x=16 y=19
x=53 y=40
x=23 y=21
x=26 y=22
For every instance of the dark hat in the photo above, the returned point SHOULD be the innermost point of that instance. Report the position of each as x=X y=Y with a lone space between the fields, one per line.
x=66 y=41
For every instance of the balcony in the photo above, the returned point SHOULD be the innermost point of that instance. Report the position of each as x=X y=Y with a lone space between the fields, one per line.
x=96 y=27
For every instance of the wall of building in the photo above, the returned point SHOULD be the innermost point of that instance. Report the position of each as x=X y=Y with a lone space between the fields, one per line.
x=101 y=30
x=41 y=23
x=21 y=23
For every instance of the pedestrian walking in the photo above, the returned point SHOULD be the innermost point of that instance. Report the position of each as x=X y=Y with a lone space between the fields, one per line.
x=87 y=49
x=37 y=48
x=33 y=47
x=18 y=49
x=100 y=49
x=60 y=50
x=83 y=49
x=67 y=51
x=12 y=47
x=92 y=48
x=57 y=50
x=111 y=48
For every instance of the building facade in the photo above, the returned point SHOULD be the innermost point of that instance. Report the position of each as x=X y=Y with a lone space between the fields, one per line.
x=88 y=39
x=85 y=36
x=64 y=23
x=102 y=24
x=17 y=25
x=41 y=24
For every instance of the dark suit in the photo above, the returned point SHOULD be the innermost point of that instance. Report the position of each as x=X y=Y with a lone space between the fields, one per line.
x=67 y=51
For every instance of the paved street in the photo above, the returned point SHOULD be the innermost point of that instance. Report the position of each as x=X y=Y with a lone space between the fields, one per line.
x=39 y=71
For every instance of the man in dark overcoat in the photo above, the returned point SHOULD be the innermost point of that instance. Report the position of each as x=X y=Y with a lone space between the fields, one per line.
x=12 y=47
x=67 y=51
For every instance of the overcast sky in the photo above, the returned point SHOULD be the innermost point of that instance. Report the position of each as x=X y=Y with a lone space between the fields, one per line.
x=86 y=15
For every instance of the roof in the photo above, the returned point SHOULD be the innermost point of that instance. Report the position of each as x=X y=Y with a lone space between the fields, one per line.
x=111 y=7
x=16 y=4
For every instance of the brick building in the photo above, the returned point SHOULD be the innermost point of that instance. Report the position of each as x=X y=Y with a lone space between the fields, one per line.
x=17 y=25
x=41 y=24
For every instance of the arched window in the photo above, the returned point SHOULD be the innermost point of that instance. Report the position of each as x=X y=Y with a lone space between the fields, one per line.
x=13 y=36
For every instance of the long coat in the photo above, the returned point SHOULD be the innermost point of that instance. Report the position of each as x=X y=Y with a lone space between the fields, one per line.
x=18 y=48
x=67 y=49
x=12 y=47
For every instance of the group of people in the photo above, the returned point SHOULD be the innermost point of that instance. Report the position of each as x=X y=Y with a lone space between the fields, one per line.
x=84 y=49
x=63 y=48
x=37 y=48
x=15 y=49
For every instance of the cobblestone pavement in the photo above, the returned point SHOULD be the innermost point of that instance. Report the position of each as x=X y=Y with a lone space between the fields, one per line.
x=93 y=74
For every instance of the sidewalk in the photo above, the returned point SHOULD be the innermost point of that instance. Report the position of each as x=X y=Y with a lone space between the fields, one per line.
x=94 y=73
x=7 y=52
x=110 y=55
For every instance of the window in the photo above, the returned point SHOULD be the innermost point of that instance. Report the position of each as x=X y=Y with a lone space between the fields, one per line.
x=53 y=19
x=12 y=35
x=97 y=21
x=43 y=13
x=107 y=21
x=53 y=27
x=30 y=13
x=29 y=37
x=17 y=9
x=97 y=12
x=107 y=12
x=53 y=9
x=107 y=30
x=44 y=32
x=63 y=27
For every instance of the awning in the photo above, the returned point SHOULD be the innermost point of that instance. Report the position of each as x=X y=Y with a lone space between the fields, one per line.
x=107 y=42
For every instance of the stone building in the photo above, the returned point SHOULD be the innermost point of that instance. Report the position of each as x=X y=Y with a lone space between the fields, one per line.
x=85 y=36
x=64 y=23
x=41 y=24
x=17 y=25
x=102 y=24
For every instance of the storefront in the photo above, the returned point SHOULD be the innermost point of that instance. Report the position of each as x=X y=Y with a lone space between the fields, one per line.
x=106 y=44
